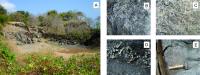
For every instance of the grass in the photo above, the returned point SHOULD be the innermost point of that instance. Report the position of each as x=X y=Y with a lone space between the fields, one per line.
x=37 y=64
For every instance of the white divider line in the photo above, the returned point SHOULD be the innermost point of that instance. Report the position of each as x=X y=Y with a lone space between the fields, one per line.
x=177 y=37
x=129 y=37
x=153 y=37
x=103 y=49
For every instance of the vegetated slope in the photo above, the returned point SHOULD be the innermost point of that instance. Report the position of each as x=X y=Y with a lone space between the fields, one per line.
x=52 y=43
x=127 y=57
x=177 y=17
x=182 y=53
x=128 y=17
x=26 y=54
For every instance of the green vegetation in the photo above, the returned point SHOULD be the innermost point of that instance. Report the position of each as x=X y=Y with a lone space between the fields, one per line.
x=71 y=25
x=19 y=16
x=48 y=64
x=76 y=65
x=3 y=17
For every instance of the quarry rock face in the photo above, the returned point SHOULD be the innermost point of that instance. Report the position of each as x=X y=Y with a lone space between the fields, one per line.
x=177 y=17
x=17 y=31
x=127 y=57
x=127 y=17
x=182 y=52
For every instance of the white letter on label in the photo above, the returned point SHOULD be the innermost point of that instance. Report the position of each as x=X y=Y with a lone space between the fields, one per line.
x=96 y=5
x=195 y=5
x=146 y=44
x=146 y=5
x=195 y=44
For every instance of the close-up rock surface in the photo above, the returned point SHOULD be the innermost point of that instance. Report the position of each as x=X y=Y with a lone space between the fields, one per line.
x=127 y=57
x=127 y=17
x=181 y=58
x=177 y=17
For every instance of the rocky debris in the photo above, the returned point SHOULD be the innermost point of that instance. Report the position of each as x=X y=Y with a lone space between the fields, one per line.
x=129 y=52
x=128 y=17
x=23 y=35
x=181 y=52
x=26 y=38
x=32 y=34
x=63 y=41
x=177 y=17
x=20 y=24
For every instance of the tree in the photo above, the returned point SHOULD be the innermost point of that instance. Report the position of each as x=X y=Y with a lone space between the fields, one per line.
x=53 y=25
x=33 y=21
x=2 y=10
x=20 y=16
x=71 y=15
x=52 y=13
x=3 y=16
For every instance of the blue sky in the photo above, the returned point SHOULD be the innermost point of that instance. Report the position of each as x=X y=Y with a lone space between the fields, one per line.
x=37 y=7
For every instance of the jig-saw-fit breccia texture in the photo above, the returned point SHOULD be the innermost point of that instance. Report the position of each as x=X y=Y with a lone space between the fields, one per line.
x=128 y=17
x=128 y=57
x=178 y=17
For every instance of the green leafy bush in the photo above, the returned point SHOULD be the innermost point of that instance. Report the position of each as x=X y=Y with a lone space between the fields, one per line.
x=3 y=19
x=76 y=65
x=3 y=11
x=19 y=16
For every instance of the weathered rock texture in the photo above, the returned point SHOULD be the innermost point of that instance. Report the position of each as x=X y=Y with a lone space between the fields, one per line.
x=127 y=57
x=127 y=17
x=182 y=52
x=177 y=17
x=23 y=35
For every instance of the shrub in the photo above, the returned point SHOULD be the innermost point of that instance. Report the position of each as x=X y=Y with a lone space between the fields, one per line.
x=3 y=11
x=3 y=19
x=19 y=16
x=7 y=59
x=33 y=21
x=75 y=65
x=53 y=25
x=78 y=30
x=52 y=13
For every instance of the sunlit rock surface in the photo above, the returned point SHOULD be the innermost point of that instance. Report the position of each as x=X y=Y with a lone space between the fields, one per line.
x=177 y=17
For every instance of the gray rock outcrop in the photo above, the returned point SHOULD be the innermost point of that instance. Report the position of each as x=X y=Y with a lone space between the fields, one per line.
x=177 y=17
x=127 y=17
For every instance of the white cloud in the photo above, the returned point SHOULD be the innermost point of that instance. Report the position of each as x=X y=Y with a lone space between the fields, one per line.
x=8 y=5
